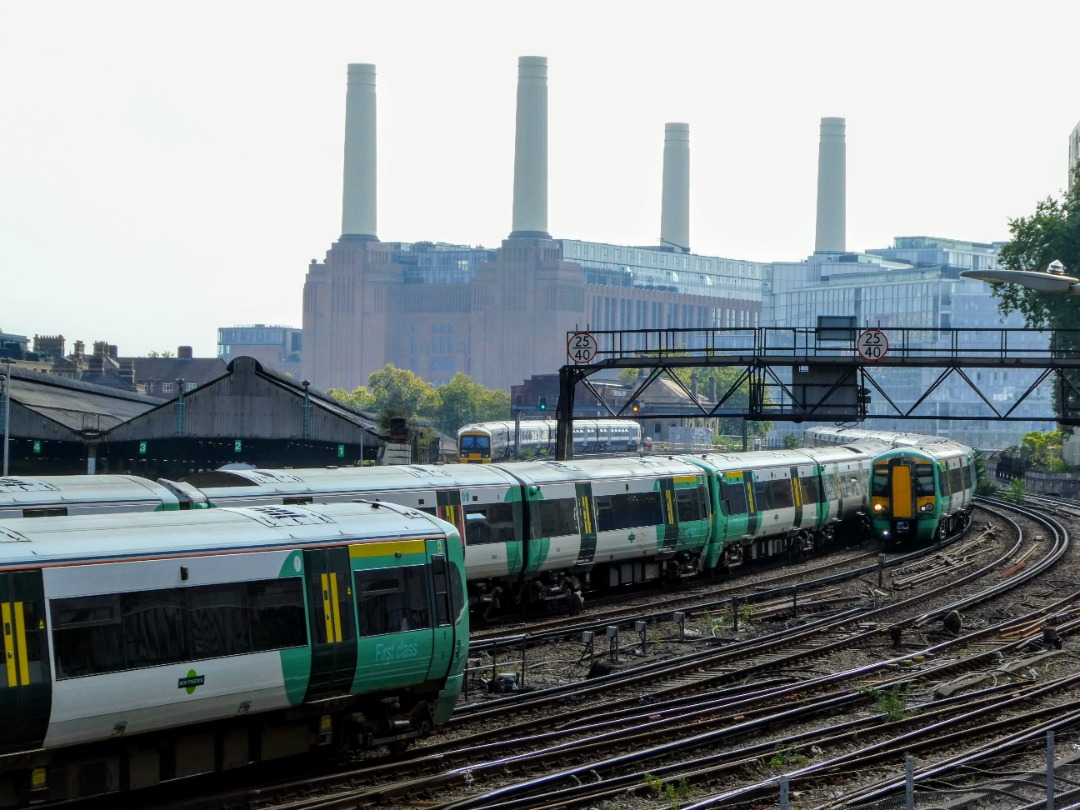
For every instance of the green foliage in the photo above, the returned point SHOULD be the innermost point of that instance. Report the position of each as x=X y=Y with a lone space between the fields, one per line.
x=674 y=794
x=395 y=391
x=1052 y=233
x=792 y=442
x=1017 y=491
x=785 y=756
x=1044 y=452
x=892 y=703
x=984 y=485
x=463 y=400
x=359 y=399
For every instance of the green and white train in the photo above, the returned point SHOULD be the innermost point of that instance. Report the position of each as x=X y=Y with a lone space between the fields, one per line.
x=142 y=648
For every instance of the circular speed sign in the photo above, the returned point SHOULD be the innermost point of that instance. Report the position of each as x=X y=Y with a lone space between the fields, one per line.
x=872 y=344
x=581 y=348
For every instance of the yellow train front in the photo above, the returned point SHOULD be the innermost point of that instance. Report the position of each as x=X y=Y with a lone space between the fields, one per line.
x=922 y=493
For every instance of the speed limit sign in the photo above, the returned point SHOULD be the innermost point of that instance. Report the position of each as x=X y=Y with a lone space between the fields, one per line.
x=581 y=348
x=872 y=344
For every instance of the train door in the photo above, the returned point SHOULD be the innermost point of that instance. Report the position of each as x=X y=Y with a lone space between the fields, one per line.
x=754 y=516
x=442 y=653
x=902 y=492
x=797 y=497
x=25 y=693
x=671 y=515
x=586 y=523
x=333 y=635
x=448 y=502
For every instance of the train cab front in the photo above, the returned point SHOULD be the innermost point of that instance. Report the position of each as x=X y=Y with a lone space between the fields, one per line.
x=901 y=497
x=474 y=448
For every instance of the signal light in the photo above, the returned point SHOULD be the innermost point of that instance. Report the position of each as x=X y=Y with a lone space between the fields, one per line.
x=634 y=407
x=542 y=404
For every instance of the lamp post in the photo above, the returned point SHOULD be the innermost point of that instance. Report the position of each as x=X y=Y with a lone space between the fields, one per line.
x=6 y=379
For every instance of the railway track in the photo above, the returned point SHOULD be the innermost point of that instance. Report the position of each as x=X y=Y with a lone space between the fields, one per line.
x=739 y=692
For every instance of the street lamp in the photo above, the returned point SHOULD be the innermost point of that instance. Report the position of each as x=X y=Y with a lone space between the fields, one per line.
x=6 y=380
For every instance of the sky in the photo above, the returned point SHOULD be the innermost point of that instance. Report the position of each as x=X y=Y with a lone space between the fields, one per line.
x=170 y=168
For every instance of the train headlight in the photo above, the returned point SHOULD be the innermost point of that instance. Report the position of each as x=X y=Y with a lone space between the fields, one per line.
x=926 y=507
x=879 y=508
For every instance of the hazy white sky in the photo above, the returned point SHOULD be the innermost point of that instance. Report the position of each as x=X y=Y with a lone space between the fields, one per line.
x=168 y=168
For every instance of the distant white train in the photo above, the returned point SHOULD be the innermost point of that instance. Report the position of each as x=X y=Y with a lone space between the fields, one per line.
x=495 y=441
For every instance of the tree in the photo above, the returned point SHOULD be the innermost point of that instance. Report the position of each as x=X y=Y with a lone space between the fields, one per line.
x=395 y=391
x=1052 y=233
x=398 y=392
x=1043 y=452
x=359 y=400
x=463 y=400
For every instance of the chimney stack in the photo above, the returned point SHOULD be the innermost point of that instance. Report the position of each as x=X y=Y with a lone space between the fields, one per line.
x=358 y=210
x=183 y=352
x=831 y=187
x=530 y=150
x=675 y=205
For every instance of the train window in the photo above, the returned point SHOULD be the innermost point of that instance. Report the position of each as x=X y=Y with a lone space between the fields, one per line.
x=762 y=499
x=277 y=614
x=691 y=503
x=780 y=493
x=811 y=489
x=924 y=480
x=832 y=486
x=554 y=518
x=956 y=482
x=217 y=621
x=115 y=632
x=733 y=497
x=392 y=599
x=880 y=485
x=49 y=511
x=86 y=635
x=491 y=523
x=153 y=623
x=615 y=512
x=439 y=573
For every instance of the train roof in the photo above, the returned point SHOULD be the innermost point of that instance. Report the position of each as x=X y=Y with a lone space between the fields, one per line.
x=550 y=424
x=132 y=536
x=787 y=458
x=544 y=472
x=72 y=490
x=342 y=480
x=938 y=451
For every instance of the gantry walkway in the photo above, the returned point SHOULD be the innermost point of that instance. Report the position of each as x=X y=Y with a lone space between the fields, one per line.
x=827 y=373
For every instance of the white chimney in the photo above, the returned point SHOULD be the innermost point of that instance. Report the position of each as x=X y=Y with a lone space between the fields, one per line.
x=675 y=206
x=358 y=211
x=831 y=188
x=530 y=149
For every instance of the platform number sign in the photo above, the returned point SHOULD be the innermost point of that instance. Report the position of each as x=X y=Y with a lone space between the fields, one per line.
x=872 y=344
x=341 y=451
x=37 y=447
x=581 y=348
x=238 y=445
x=142 y=448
